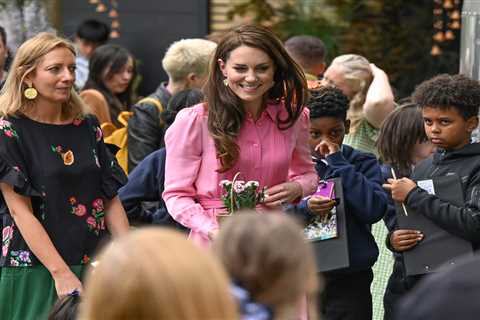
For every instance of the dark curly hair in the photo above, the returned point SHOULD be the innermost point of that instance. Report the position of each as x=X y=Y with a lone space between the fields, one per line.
x=328 y=102
x=449 y=91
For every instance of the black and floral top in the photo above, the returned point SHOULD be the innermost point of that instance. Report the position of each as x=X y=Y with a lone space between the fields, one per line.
x=68 y=174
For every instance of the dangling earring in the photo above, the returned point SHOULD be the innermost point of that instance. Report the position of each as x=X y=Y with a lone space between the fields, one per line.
x=30 y=93
x=225 y=82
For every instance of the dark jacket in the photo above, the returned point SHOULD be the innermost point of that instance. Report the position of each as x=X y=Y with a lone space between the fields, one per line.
x=462 y=221
x=142 y=195
x=145 y=128
x=399 y=284
x=445 y=295
x=365 y=201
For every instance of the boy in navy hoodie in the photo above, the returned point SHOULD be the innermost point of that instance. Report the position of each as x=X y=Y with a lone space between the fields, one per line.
x=450 y=106
x=347 y=291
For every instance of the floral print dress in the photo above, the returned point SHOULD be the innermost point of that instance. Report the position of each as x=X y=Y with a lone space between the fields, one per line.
x=68 y=173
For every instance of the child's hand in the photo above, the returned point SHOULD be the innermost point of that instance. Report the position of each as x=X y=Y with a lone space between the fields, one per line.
x=404 y=239
x=326 y=148
x=320 y=205
x=400 y=188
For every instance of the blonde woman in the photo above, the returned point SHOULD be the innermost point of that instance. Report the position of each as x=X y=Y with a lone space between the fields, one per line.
x=58 y=181
x=370 y=94
x=267 y=256
x=157 y=274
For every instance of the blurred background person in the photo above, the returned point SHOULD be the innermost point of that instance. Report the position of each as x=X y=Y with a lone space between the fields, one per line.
x=4 y=56
x=90 y=34
x=186 y=64
x=108 y=90
x=310 y=53
x=371 y=98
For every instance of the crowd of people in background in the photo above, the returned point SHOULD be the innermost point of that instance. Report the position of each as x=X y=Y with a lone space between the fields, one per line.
x=83 y=159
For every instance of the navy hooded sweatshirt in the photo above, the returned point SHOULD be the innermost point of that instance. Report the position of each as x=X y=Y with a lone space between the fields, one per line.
x=365 y=201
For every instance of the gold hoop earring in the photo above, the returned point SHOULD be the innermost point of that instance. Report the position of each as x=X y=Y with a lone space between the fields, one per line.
x=30 y=93
x=225 y=82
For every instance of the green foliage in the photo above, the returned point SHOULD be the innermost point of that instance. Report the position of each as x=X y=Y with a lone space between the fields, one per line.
x=261 y=10
x=18 y=3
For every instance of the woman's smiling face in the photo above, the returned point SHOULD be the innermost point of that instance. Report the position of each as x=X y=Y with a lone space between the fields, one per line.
x=249 y=72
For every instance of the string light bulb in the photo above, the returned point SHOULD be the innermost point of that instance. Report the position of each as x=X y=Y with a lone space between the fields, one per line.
x=101 y=7
x=439 y=36
x=448 y=4
x=455 y=15
x=449 y=35
x=113 y=13
x=435 y=51
x=454 y=25
x=114 y=34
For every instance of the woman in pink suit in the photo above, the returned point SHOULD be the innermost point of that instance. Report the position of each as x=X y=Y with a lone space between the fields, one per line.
x=252 y=122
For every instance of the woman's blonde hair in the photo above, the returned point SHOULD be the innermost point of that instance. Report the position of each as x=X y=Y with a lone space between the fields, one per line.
x=268 y=256
x=157 y=273
x=27 y=58
x=358 y=75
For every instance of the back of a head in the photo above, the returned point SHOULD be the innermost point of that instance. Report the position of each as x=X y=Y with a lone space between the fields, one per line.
x=93 y=31
x=449 y=91
x=307 y=51
x=267 y=255
x=188 y=56
x=452 y=294
x=401 y=130
x=182 y=99
x=157 y=273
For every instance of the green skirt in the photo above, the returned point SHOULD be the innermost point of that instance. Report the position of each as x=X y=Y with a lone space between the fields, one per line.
x=28 y=293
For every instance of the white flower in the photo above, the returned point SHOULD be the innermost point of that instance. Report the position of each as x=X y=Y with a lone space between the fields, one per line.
x=225 y=183
x=239 y=186
x=252 y=184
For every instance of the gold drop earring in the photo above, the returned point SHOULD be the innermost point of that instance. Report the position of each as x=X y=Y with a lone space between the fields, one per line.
x=225 y=82
x=30 y=93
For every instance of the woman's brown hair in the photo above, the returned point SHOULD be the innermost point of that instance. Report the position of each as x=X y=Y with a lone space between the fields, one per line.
x=225 y=110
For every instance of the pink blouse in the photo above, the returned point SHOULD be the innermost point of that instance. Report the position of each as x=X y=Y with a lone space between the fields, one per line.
x=267 y=155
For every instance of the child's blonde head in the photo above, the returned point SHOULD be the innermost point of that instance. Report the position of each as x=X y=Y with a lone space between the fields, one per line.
x=157 y=274
x=358 y=76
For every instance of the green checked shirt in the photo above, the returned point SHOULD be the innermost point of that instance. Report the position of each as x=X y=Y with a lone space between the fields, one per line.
x=364 y=138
